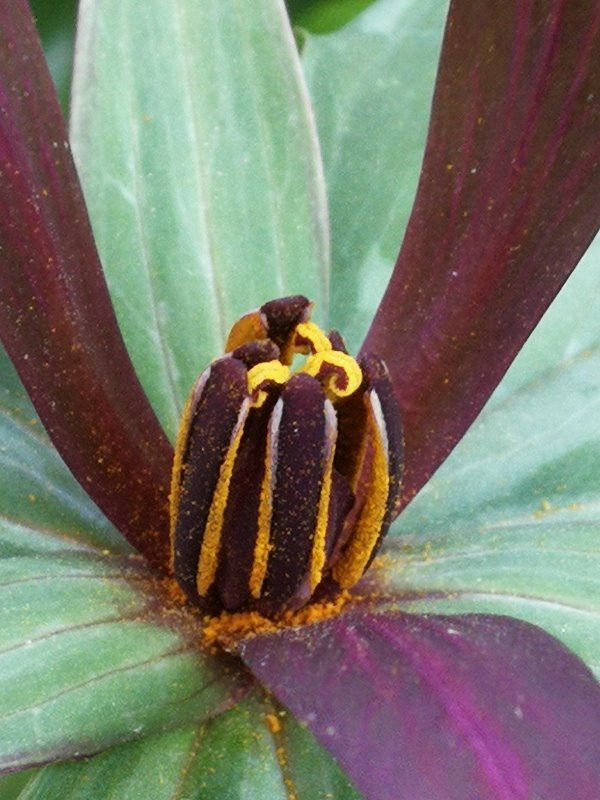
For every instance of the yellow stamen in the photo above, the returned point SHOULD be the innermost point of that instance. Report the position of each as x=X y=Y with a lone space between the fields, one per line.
x=211 y=541
x=355 y=558
x=334 y=383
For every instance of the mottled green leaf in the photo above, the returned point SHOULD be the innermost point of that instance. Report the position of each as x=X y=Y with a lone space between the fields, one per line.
x=568 y=327
x=90 y=655
x=195 y=144
x=371 y=84
x=253 y=752
x=42 y=507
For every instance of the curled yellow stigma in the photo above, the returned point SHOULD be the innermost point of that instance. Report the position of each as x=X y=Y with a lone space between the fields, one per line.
x=309 y=337
x=339 y=372
x=272 y=371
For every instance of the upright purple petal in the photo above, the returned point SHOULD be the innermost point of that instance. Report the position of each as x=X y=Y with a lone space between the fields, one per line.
x=56 y=318
x=508 y=201
x=442 y=708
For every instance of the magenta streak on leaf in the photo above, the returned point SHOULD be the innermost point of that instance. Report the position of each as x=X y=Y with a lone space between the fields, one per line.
x=497 y=759
x=508 y=201
x=56 y=318
x=440 y=707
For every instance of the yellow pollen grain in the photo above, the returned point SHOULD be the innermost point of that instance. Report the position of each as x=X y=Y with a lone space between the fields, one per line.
x=353 y=562
x=262 y=545
x=273 y=722
x=229 y=628
x=211 y=541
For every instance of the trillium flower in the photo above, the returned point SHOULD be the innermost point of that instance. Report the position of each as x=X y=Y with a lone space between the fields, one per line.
x=236 y=624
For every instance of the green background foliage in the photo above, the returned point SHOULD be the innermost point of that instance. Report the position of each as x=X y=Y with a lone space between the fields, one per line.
x=510 y=523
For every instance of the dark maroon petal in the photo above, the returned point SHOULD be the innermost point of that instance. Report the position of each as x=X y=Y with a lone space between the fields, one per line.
x=508 y=201
x=440 y=707
x=56 y=319
x=216 y=412
x=241 y=519
x=302 y=442
x=282 y=316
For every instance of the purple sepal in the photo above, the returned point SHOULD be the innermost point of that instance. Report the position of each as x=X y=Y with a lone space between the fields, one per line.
x=56 y=318
x=508 y=201
x=440 y=707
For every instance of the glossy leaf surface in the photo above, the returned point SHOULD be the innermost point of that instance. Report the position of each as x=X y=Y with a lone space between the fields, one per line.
x=238 y=756
x=89 y=657
x=196 y=148
x=509 y=199
x=450 y=707
x=55 y=314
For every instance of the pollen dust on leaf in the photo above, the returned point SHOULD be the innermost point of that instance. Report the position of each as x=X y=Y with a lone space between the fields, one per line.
x=273 y=722
x=227 y=629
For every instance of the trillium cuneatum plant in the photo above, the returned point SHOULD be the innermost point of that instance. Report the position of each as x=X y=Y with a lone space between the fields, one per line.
x=216 y=613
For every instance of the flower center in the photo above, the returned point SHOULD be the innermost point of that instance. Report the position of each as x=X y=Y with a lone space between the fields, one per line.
x=284 y=480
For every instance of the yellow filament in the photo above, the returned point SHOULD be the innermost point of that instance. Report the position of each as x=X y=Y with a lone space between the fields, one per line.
x=211 y=541
x=317 y=561
x=262 y=545
x=353 y=562
x=315 y=363
x=317 y=340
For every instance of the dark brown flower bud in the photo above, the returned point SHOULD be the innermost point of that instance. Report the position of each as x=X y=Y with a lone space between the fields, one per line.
x=283 y=482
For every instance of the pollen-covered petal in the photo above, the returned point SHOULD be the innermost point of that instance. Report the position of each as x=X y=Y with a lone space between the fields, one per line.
x=378 y=379
x=376 y=478
x=284 y=483
x=214 y=416
x=304 y=435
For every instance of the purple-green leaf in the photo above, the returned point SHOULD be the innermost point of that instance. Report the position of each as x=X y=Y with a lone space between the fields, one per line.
x=440 y=707
x=509 y=199
x=56 y=318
